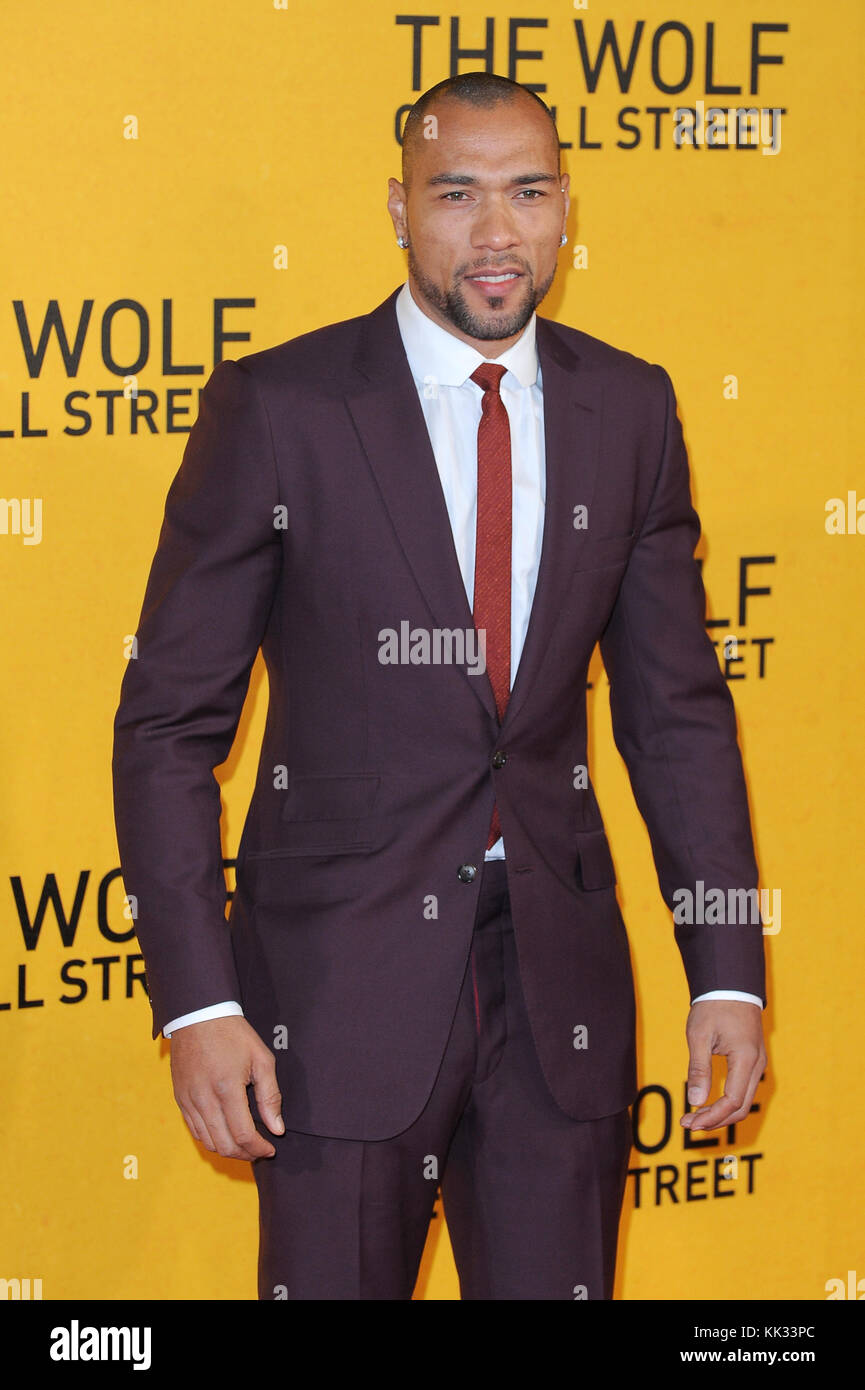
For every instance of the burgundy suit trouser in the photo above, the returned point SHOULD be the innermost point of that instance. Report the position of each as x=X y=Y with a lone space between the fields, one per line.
x=532 y=1198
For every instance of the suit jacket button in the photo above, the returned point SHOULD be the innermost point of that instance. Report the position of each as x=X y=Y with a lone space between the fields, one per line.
x=466 y=872
x=499 y=759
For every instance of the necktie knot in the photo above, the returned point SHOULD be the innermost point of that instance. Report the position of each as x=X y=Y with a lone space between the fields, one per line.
x=488 y=376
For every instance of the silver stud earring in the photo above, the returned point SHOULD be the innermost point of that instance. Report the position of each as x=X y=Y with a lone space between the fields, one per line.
x=564 y=238
x=401 y=241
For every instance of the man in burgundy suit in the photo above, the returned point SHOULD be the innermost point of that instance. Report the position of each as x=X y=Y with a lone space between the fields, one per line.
x=426 y=517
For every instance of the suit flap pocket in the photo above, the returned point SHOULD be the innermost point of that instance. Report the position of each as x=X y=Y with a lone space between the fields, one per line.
x=595 y=867
x=324 y=797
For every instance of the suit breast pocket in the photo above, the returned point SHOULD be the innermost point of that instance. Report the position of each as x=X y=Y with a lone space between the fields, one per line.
x=324 y=814
x=605 y=552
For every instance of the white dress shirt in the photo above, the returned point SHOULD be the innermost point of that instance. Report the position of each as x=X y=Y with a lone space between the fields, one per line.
x=441 y=365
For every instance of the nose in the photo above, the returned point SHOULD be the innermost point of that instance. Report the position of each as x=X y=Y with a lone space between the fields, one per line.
x=495 y=227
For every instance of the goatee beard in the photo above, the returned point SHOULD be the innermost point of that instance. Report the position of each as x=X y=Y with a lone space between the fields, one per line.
x=452 y=305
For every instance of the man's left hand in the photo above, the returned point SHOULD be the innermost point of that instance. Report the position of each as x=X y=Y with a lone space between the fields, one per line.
x=733 y=1028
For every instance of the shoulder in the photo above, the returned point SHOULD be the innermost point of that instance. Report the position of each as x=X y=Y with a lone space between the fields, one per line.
x=314 y=358
x=614 y=366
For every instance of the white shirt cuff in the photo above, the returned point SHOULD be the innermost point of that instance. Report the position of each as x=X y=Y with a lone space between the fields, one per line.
x=231 y=1007
x=730 y=994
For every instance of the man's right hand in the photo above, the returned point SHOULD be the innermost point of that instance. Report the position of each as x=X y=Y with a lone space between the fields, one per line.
x=212 y=1063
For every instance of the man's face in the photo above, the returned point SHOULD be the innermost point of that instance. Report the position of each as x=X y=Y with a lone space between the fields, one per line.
x=485 y=199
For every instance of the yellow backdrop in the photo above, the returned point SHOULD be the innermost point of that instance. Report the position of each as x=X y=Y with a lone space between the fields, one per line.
x=191 y=181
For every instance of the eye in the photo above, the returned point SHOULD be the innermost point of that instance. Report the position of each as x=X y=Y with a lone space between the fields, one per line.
x=537 y=192
x=455 y=193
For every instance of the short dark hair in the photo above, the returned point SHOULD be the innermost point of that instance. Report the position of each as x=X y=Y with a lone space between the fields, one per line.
x=472 y=88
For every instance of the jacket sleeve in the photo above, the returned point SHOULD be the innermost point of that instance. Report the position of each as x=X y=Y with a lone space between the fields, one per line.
x=205 y=610
x=675 y=726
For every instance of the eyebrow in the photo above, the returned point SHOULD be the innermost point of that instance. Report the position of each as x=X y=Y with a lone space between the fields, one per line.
x=469 y=179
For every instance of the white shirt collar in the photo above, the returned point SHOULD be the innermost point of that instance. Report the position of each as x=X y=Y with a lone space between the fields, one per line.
x=435 y=353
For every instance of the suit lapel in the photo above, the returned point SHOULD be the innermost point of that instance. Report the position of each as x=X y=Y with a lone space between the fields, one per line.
x=392 y=429
x=572 y=414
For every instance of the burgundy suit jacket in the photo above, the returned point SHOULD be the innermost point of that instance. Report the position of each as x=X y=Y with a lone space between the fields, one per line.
x=307 y=517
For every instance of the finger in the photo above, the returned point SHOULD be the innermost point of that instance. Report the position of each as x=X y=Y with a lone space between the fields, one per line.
x=740 y=1067
x=209 y=1107
x=715 y=1116
x=225 y=1145
x=197 y=1128
x=231 y=1125
x=753 y=1083
x=249 y=1142
x=699 y=1068
x=267 y=1095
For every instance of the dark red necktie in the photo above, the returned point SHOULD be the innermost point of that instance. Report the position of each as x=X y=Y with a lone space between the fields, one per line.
x=491 y=608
